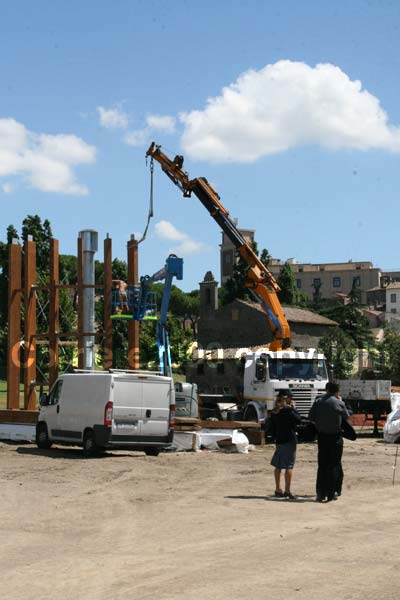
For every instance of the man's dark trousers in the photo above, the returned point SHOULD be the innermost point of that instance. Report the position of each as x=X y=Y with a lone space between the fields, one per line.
x=330 y=473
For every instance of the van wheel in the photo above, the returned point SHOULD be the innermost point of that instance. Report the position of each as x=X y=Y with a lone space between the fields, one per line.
x=89 y=445
x=42 y=437
x=152 y=451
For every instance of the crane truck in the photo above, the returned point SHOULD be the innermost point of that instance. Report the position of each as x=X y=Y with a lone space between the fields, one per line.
x=277 y=367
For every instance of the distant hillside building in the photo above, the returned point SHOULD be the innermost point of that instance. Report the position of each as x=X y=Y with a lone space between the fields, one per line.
x=243 y=323
x=228 y=255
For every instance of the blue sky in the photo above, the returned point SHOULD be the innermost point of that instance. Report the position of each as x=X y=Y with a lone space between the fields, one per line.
x=302 y=154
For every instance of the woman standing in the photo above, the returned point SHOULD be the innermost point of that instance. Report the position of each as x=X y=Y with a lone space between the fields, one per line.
x=284 y=419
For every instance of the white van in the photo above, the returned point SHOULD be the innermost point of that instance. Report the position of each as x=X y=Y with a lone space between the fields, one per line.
x=97 y=410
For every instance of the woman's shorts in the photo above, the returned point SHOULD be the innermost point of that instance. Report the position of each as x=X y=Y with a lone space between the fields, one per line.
x=284 y=456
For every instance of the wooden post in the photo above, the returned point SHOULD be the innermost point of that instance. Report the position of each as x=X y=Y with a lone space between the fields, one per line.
x=30 y=325
x=14 y=324
x=80 y=303
x=133 y=326
x=54 y=299
x=108 y=355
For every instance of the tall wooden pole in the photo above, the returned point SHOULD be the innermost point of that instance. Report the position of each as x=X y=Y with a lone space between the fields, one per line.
x=133 y=326
x=30 y=325
x=14 y=324
x=108 y=354
x=54 y=316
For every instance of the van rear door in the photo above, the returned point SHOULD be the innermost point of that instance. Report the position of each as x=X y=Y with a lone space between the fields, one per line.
x=156 y=406
x=127 y=406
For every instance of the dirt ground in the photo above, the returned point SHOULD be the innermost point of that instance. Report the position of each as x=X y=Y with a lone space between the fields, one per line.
x=195 y=526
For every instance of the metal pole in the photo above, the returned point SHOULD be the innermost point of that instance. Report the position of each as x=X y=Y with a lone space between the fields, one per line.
x=108 y=355
x=395 y=465
x=89 y=247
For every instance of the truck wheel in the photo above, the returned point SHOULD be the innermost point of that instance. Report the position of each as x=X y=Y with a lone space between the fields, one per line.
x=42 y=437
x=251 y=414
x=89 y=445
x=152 y=451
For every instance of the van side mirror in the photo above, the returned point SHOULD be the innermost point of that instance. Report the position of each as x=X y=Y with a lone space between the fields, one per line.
x=44 y=400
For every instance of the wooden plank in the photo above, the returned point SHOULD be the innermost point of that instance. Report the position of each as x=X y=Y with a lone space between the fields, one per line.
x=230 y=425
x=19 y=416
x=30 y=325
x=255 y=437
x=187 y=421
x=14 y=324
x=187 y=427
x=54 y=311
x=133 y=326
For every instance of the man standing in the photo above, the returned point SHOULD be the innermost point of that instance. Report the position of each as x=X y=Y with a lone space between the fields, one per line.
x=328 y=413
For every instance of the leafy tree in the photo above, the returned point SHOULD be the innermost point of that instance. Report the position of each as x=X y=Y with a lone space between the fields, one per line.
x=351 y=319
x=42 y=234
x=287 y=283
x=235 y=288
x=340 y=351
x=388 y=351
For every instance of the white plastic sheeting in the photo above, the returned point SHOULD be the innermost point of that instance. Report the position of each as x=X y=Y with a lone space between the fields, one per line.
x=17 y=433
x=391 y=429
x=208 y=438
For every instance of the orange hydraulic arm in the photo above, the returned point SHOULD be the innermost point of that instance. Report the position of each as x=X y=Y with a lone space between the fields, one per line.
x=259 y=279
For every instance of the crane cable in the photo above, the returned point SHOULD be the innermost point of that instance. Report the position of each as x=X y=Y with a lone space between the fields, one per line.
x=151 y=207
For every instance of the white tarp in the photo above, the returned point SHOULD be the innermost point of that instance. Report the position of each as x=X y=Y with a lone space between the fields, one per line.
x=391 y=429
x=17 y=433
x=208 y=438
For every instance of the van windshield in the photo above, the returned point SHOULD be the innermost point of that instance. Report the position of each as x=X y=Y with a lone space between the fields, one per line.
x=283 y=368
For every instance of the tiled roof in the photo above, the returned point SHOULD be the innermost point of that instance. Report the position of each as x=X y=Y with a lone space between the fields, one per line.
x=296 y=315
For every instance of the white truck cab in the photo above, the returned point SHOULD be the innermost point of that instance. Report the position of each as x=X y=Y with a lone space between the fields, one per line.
x=266 y=373
x=117 y=409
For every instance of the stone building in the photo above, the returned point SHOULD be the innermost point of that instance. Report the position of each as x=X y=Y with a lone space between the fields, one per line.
x=332 y=278
x=228 y=256
x=225 y=333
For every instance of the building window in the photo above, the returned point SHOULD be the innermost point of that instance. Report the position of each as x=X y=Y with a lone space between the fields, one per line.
x=200 y=369
x=227 y=258
x=317 y=282
x=300 y=269
x=220 y=368
x=298 y=283
x=393 y=310
x=393 y=298
x=356 y=281
x=336 y=282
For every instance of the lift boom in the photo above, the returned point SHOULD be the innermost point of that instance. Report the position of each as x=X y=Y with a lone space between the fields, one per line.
x=260 y=280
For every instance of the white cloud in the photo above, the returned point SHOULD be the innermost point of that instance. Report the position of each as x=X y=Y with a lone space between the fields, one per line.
x=45 y=161
x=154 y=123
x=161 y=123
x=112 y=118
x=7 y=187
x=285 y=105
x=184 y=244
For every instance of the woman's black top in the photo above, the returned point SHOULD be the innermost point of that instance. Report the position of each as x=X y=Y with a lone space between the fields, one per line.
x=284 y=425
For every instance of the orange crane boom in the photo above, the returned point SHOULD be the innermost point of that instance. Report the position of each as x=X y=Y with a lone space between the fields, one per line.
x=260 y=280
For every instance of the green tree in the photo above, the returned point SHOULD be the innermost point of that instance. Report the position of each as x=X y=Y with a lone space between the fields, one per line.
x=287 y=283
x=388 y=363
x=340 y=351
x=351 y=319
x=235 y=287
